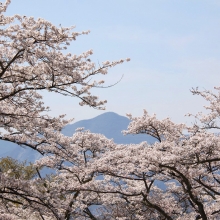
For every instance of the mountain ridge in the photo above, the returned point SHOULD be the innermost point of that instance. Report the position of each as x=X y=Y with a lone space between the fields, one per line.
x=109 y=124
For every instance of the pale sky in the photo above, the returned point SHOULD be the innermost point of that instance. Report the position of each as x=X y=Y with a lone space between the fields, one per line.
x=174 y=45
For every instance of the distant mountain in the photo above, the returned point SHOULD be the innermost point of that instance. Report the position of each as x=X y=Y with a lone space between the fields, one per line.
x=110 y=124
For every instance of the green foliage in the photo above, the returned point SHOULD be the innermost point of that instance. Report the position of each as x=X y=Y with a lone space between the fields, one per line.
x=16 y=169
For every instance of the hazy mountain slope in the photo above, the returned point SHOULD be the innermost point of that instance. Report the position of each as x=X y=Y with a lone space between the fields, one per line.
x=17 y=152
x=110 y=124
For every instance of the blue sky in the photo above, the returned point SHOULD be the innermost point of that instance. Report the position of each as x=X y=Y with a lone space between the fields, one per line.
x=173 y=45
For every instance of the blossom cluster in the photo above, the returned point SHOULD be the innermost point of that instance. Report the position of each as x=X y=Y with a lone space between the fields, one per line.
x=177 y=177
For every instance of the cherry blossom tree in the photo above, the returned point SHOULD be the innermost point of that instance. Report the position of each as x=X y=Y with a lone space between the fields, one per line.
x=33 y=59
x=177 y=177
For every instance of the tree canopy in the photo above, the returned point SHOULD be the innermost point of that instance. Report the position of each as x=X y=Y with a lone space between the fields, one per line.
x=177 y=177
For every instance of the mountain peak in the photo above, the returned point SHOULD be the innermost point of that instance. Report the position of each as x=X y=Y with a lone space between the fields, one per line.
x=111 y=125
x=105 y=115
